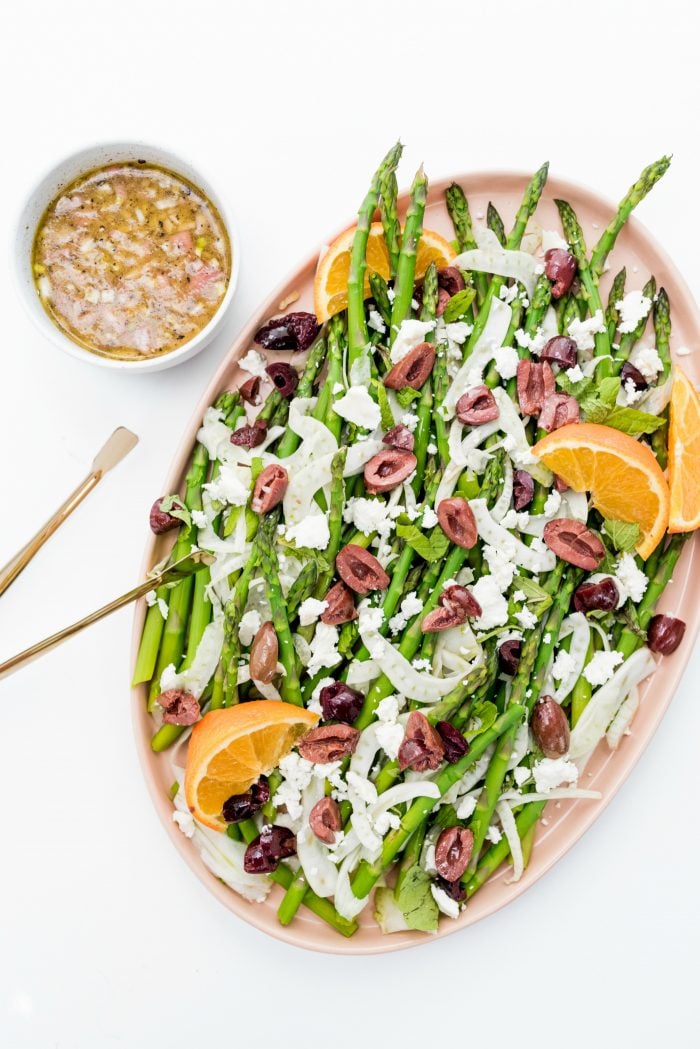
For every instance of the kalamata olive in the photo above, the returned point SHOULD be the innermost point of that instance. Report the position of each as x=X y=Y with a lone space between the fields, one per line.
x=602 y=596
x=295 y=331
x=451 y=279
x=442 y=619
x=250 y=390
x=560 y=350
x=250 y=436
x=628 y=373
x=550 y=727
x=284 y=377
x=443 y=299
x=264 y=654
x=329 y=743
x=179 y=707
x=387 y=470
x=360 y=570
x=413 y=369
x=456 y=518
x=422 y=747
x=560 y=267
x=160 y=520
x=559 y=409
x=509 y=656
x=453 y=851
x=456 y=605
x=340 y=702
x=453 y=741
x=325 y=820
x=571 y=541
x=535 y=381
x=523 y=489
x=665 y=634
x=454 y=889
x=269 y=488
x=340 y=605
x=560 y=484
x=477 y=406
x=242 y=806
x=272 y=845
x=399 y=437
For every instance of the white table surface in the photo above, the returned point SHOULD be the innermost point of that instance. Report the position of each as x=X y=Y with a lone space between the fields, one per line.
x=106 y=937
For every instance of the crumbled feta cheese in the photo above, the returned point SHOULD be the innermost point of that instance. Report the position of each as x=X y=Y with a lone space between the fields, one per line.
x=163 y=607
x=552 y=772
x=358 y=407
x=583 y=332
x=151 y=598
x=602 y=667
x=324 y=648
x=526 y=618
x=521 y=775
x=227 y=487
x=547 y=638
x=552 y=503
x=411 y=333
x=574 y=374
x=370 y=618
x=430 y=518
x=465 y=807
x=506 y=361
x=508 y=293
x=494 y=607
x=631 y=393
x=361 y=788
x=389 y=736
x=376 y=321
x=633 y=308
x=458 y=331
x=297 y=773
x=313 y=532
x=248 y=627
x=410 y=420
x=254 y=363
x=410 y=606
x=515 y=519
x=338 y=388
x=502 y=570
x=431 y=449
x=632 y=577
x=519 y=595
x=533 y=343
x=369 y=515
x=310 y=610
x=648 y=362
x=199 y=518
x=493 y=834
x=683 y=351
x=563 y=665
x=314 y=703
x=421 y=664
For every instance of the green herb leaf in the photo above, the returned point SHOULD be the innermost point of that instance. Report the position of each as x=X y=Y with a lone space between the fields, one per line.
x=482 y=718
x=172 y=504
x=231 y=520
x=458 y=305
x=634 y=422
x=416 y=902
x=597 y=406
x=574 y=389
x=431 y=546
x=302 y=587
x=256 y=467
x=624 y=535
x=537 y=599
x=387 y=417
x=407 y=396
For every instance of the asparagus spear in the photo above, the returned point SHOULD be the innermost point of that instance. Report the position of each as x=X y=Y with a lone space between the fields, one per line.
x=574 y=235
x=458 y=208
x=495 y=223
x=406 y=265
x=612 y=314
x=636 y=193
x=389 y=191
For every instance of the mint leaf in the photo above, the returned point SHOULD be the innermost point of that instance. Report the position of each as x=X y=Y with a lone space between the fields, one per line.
x=482 y=718
x=574 y=389
x=634 y=422
x=458 y=305
x=537 y=599
x=608 y=389
x=407 y=396
x=416 y=902
x=624 y=535
x=431 y=546
x=387 y=417
x=172 y=504
x=597 y=406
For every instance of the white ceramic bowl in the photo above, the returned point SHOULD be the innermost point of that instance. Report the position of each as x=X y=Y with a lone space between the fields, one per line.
x=48 y=188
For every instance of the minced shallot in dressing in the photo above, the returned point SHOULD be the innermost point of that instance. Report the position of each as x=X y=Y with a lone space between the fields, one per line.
x=131 y=260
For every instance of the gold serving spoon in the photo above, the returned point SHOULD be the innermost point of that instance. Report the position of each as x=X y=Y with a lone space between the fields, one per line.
x=171 y=573
x=117 y=447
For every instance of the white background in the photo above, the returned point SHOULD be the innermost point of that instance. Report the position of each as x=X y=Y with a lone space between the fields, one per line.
x=106 y=938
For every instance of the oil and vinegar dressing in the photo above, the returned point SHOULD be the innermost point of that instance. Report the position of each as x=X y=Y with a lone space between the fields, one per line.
x=131 y=260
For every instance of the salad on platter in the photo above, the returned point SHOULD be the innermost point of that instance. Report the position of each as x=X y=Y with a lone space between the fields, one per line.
x=443 y=508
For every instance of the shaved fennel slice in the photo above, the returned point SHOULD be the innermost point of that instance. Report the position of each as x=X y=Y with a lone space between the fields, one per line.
x=347 y=904
x=657 y=398
x=502 y=505
x=520 y=746
x=505 y=815
x=577 y=626
x=222 y=855
x=361 y=674
x=491 y=257
x=515 y=798
x=623 y=719
x=320 y=871
x=360 y=453
x=367 y=747
x=312 y=431
x=573 y=504
x=196 y=677
x=470 y=778
x=490 y=339
x=455 y=649
x=387 y=913
x=515 y=550
x=404 y=792
x=550 y=325
x=605 y=702
x=448 y=481
x=302 y=487
x=412 y=683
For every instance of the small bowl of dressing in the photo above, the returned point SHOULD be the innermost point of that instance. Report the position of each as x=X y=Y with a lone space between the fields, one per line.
x=126 y=257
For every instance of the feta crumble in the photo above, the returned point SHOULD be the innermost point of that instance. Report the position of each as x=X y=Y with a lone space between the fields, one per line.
x=410 y=606
x=358 y=407
x=376 y=321
x=310 y=610
x=494 y=607
x=583 y=332
x=323 y=648
x=552 y=503
x=602 y=667
x=648 y=362
x=633 y=308
x=632 y=577
x=248 y=627
x=506 y=361
x=313 y=532
x=411 y=333
x=574 y=374
x=254 y=363
x=550 y=773
x=526 y=618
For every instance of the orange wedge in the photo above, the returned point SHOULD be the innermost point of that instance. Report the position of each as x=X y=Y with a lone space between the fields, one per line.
x=331 y=281
x=230 y=749
x=625 y=480
x=684 y=454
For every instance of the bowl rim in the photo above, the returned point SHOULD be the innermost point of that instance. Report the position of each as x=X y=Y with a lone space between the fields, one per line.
x=581 y=819
x=174 y=161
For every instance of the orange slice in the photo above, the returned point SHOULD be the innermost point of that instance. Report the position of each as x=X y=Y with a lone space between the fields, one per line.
x=331 y=281
x=684 y=454
x=625 y=480
x=230 y=749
